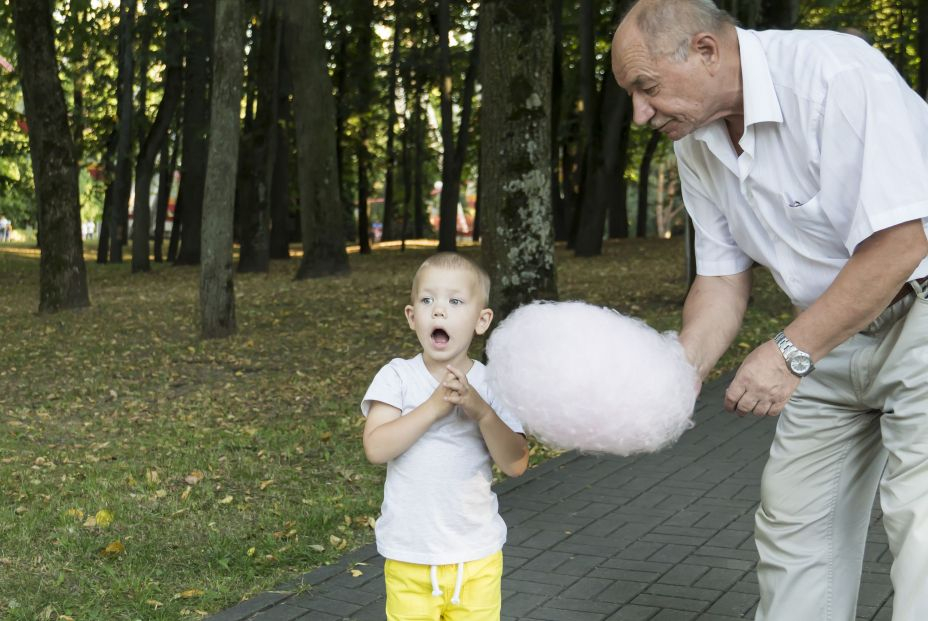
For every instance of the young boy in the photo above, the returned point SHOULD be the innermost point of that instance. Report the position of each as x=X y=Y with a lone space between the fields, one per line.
x=432 y=420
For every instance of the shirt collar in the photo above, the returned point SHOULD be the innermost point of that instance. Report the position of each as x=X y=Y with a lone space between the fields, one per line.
x=760 y=97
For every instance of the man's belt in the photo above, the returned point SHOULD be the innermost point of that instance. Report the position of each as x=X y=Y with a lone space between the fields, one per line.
x=907 y=288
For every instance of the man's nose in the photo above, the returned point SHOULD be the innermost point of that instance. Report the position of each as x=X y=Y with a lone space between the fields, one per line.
x=642 y=112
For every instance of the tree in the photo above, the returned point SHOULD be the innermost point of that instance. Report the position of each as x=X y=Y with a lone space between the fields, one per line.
x=62 y=273
x=217 y=290
x=516 y=72
x=196 y=126
x=119 y=207
x=154 y=139
x=643 y=175
x=324 y=251
x=453 y=151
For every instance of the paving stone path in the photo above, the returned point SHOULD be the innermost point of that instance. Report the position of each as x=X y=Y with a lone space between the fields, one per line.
x=664 y=537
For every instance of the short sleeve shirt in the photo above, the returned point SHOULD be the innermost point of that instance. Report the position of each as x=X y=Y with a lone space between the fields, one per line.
x=438 y=506
x=835 y=148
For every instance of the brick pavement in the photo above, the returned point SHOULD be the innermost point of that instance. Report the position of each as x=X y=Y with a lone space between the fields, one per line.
x=664 y=537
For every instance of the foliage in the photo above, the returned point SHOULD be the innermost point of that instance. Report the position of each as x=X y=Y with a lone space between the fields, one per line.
x=147 y=474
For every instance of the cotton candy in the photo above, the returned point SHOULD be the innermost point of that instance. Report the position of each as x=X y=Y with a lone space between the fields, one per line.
x=584 y=377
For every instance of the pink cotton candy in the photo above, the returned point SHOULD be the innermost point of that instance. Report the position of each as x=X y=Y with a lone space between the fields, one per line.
x=585 y=377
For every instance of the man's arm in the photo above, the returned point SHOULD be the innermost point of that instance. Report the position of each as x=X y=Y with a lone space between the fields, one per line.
x=863 y=289
x=712 y=316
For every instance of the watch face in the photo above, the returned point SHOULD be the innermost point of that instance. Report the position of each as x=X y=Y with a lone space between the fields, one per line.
x=800 y=365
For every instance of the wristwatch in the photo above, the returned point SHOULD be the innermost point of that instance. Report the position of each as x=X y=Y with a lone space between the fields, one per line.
x=797 y=361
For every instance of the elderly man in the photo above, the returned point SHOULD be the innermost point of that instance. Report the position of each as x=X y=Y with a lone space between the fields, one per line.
x=807 y=153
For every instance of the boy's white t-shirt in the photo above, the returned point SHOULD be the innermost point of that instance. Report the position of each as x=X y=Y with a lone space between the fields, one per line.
x=438 y=507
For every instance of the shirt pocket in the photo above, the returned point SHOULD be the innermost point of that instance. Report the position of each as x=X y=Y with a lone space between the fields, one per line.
x=812 y=232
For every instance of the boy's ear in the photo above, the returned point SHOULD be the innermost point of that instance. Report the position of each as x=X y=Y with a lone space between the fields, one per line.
x=483 y=321
x=409 y=316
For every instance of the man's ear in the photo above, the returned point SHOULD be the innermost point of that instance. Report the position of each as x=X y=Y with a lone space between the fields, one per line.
x=410 y=316
x=707 y=46
x=483 y=321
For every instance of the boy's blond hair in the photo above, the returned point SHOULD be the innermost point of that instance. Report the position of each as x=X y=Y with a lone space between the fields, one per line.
x=453 y=260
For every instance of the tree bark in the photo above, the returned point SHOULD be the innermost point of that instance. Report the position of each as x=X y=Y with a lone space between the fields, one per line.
x=280 y=185
x=254 y=254
x=389 y=209
x=418 y=202
x=62 y=273
x=518 y=232
x=119 y=208
x=644 y=172
x=453 y=152
x=167 y=166
x=196 y=127
x=557 y=93
x=154 y=139
x=324 y=251
x=217 y=291
x=364 y=79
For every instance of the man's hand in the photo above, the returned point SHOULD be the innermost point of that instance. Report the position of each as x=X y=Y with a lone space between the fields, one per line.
x=461 y=393
x=762 y=385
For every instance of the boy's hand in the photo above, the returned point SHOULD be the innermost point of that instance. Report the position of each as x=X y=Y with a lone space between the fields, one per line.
x=440 y=398
x=461 y=393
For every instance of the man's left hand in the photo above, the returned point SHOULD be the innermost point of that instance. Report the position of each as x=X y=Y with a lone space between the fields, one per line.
x=762 y=385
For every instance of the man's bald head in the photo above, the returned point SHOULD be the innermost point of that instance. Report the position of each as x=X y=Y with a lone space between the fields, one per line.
x=668 y=26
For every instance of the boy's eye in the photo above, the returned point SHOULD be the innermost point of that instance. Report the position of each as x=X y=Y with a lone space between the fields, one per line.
x=456 y=301
x=426 y=300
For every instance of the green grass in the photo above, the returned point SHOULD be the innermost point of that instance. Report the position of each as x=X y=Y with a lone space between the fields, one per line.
x=112 y=407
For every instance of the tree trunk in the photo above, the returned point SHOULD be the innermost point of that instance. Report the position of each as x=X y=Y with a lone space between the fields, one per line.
x=922 y=44
x=217 y=292
x=516 y=71
x=452 y=154
x=364 y=225
x=418 y=202
x=167 y=166
x=103 y=240
x=155 y=138
x=119 y=208
x=643 y=174
x=62 y=273
x=389 y=209
x=778 y=14
x=363 y=81
x=557 y=94
x=280 y=185
x=196 y=128
x=254 y=254
x=324 y=251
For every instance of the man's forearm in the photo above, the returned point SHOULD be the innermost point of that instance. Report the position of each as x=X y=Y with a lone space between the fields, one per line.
x=862 y=290
x=712 y=316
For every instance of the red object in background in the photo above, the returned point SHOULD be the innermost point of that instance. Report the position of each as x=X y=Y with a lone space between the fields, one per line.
x=95 y=171
x=23 y=125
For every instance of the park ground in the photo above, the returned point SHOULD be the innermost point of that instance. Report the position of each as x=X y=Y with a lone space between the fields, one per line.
x=148 y=474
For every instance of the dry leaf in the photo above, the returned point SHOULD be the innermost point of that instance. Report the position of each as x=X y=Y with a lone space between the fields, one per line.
x=90 y=522
x=315 y=547
x=325 y=437
x=250 y=551
x=265 y=484
x=103 y=518
x=75 y=513
x=188 y=594
x=154 y=603
x=355 y=573
x=227 y=500
x=186 y=493
x=194 y=477
x=113 y=549
x=152 y=476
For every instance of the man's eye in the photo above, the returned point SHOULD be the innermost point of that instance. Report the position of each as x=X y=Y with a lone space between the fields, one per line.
x=651 y=91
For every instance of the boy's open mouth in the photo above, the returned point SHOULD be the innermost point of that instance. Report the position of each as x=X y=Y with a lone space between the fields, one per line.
x=440 y=337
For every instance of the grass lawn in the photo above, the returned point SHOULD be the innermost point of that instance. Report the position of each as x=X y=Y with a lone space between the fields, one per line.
x=145 y=474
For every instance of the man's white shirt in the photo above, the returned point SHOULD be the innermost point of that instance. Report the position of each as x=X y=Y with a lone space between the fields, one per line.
x=835 y=148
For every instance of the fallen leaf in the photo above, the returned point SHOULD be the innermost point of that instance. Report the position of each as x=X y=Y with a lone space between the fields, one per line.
x=103 y=518
x=325 y=437
x=265 y=484
x=227 y=500
x=194 y=477
x=186 y=493
x=152 y=476
x=188 y=594
x=356 y=573
x=315 y=547
x=250 y=551
x=115 y=548
x=154 y=603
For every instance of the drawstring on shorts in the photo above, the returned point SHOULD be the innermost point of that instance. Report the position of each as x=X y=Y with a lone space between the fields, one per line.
x=436 y=591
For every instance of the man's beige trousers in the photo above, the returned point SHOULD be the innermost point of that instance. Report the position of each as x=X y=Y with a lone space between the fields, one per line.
x=858 y=422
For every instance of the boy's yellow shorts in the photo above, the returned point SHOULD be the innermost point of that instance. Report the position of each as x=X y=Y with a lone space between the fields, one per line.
x=410 y=591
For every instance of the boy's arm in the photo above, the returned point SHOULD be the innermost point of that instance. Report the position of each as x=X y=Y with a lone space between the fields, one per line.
x=387 y=434
x=508 y=448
